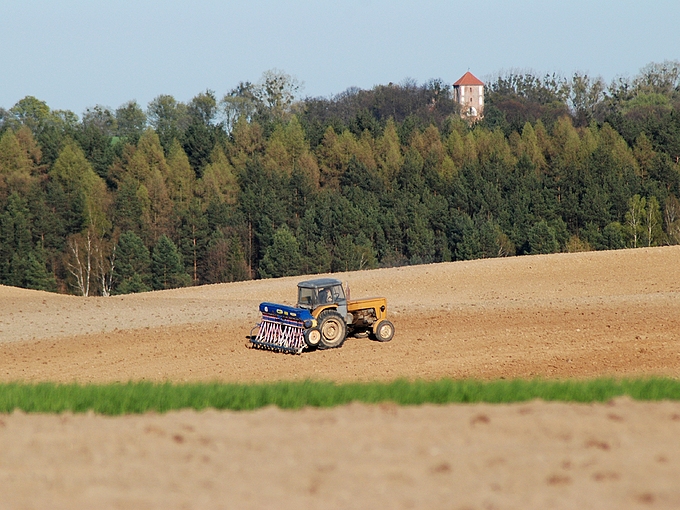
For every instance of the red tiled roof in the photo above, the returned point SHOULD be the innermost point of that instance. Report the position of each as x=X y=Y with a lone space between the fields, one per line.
x=468 y=79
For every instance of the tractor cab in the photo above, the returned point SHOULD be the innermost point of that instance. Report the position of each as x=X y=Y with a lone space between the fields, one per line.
x=322 y=292
x=322 y=318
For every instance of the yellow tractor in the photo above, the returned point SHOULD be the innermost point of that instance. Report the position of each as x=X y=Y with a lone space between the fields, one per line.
x=323 y=318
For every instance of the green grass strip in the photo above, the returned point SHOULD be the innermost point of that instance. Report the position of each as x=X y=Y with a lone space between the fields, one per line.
x=141 y=397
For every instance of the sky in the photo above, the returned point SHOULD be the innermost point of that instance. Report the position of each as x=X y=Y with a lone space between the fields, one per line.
x=75 y=54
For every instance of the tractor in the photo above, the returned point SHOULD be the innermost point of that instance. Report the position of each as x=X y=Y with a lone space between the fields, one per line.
x=323 y=318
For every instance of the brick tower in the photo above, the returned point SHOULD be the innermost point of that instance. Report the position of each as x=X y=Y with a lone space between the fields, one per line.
x=468 y=91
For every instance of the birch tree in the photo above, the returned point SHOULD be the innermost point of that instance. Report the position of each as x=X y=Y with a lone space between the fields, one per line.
x=79 y=262
x=672 y=219
x=635 y=219
x=652 y=223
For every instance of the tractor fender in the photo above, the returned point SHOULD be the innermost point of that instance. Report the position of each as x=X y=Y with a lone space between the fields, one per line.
x=317 y=311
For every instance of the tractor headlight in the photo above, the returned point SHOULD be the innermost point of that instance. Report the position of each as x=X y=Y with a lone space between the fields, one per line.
x=308 y=323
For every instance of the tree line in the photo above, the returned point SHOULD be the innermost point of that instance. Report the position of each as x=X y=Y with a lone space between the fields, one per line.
x=260 y=183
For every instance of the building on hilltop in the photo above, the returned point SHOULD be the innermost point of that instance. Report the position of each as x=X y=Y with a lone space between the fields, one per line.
x=468 y=91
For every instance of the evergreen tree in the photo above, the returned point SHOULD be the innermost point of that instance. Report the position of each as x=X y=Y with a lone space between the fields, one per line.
x=613 y=236
x=353 y=254
x=132 y=272
x=201 y=135
x=127 y=207
x=16 y=243
x=95 y=136
x=37 y=277
x=167 y=268
x=542 y=239
x=282 y=257
x=21 y=263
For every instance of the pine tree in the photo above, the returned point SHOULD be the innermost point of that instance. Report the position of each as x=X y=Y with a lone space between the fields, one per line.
x=283 y=257
x=132 y=272
x=127 y=207
x=16 y=242
x=167 y=268
x=542 y=239
x=37 y=277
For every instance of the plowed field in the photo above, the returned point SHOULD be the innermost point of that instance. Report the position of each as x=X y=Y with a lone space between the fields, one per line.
x=559 y=316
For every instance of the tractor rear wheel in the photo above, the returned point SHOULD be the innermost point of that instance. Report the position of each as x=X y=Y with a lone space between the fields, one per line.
x=384 y=331
x=333 y=329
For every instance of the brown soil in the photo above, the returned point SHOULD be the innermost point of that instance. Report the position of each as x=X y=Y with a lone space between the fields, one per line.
x=559 y=316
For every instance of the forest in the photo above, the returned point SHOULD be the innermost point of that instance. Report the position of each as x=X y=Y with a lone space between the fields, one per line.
x=263 y=183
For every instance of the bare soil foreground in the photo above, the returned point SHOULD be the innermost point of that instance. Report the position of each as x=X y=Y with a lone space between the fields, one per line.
x=559 y=316
x=535 y=455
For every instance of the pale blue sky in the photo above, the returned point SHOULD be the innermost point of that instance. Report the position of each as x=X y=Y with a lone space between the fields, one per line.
x=74 y=54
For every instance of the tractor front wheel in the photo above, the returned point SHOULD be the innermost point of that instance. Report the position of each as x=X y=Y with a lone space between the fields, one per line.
x=384 y=331
x=333 y=329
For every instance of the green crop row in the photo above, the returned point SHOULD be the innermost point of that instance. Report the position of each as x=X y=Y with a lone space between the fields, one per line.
x=141 y=397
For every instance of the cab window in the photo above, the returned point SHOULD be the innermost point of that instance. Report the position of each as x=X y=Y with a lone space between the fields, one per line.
x=338 y=293
x=306 y=296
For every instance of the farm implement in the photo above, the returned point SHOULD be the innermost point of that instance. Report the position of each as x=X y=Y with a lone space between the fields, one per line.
x=323 y=318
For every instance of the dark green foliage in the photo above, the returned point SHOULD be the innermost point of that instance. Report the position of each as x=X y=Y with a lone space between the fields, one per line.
x=127 y=208
x=612 y=237
x=169 y=119
x=198 y=142
x=142 y=397
x=282 y=257
x=400 y=178
x=95 y=136
x=542 y=239
x=68 y=211
x=36 y=275
x=132 y=272
x=22 y=262
x=201 y=133
x=352 y=254
x=167 y=268
x=130 y=122
x=48 y=228
x=16 y=241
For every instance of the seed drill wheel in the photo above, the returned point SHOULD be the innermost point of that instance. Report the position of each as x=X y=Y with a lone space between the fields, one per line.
x=333 y=329
x=385 y=331
x=312 y=337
